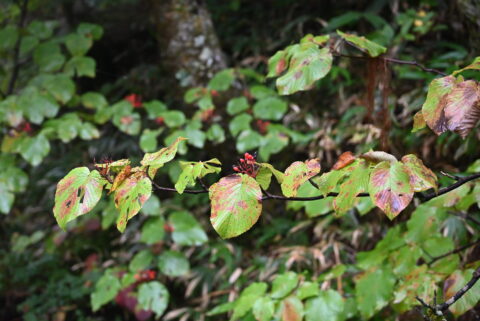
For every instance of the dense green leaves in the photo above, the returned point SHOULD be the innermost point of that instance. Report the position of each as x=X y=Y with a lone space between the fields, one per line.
x=186 y=229
x=328 y=305
x=236 y=205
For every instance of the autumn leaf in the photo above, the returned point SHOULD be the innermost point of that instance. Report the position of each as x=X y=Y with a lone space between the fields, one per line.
x=421 y=177
x=343 y=160
x=156 y=160
x=356 y=183
x=373 y=49
x=297 y=174
x=236 y=202
x=390 y=188
x=130 y=196
x=76 y=194
x=432 y=109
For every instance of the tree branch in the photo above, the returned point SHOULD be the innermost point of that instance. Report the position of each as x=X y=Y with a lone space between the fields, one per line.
x=454 y=251
x=16 y=50
x=450 y=188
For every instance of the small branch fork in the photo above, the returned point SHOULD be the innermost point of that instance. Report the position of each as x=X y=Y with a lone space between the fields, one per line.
x=440 y=309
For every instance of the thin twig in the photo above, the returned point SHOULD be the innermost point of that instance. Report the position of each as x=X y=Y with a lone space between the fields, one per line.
x=450 y=188
x=454 y=177
x=444 y=306
x=204 y=186
x=16 y=50
x=313 y=183
x=454 y=251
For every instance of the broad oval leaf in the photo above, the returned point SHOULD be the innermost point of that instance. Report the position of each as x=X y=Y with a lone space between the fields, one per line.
x=421 y=177
x=462 y=107
x=373 y=49
x=297 y=174
x=356 y=183
x=130 y=196
x=76 y=194
x=236 y=202
x=390 y=188
x=153 y=296
x=307 y=64
x=328 y=304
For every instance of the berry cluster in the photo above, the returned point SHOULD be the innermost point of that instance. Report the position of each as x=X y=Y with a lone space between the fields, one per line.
x=247 y=165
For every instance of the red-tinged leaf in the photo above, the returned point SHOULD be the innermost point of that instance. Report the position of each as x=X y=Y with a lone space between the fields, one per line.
x=453 y=284
x=292 y=309
x=130 y=196
x=156 y=160
x=418 y=122
x=297 y=174
x=126 y=171
x=345 y=159
x=278 y=63
x=432 y=109
x=421 y=177
x=462 y=107
x=377 y=157
x=390 y=188
x=76 y=194
x=236 y=202
x=356 y=183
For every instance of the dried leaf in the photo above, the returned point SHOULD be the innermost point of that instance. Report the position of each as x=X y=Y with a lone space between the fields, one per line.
x=345 y=159
x=432 y=109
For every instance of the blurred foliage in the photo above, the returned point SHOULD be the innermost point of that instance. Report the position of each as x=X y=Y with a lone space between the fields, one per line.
x=80 y=83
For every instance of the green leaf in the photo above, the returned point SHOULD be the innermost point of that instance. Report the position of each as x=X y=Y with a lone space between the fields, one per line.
x=164 y=155
x=216 y=134
x=173 y=263
x=328 y=304
x=373 y=291
x=283 y=285
x=153 y=296
x=261 y=92
x=263 y=309
x=78 y=45
x=373 y=49
x=88 y=131
x=271 y=108
x=148 y=139
x=356 y=183
x=6 y=199
x=186 y=230
x=141 y=261
x=237 y=105
x=318 y=40
x=48 y=56
x=390 y=188
x=36 y=106
x=34 y=149
x=236 y=205
x=174 y=118
x=272 y=143
x=27 y=44
x=297 y=174
x=129 y=124
x=307 y=64
x=94 y=100
x=239 y=123
x=222 y=80
x=153 y=230
x=264 y=175
x=152 y=206
x=475 y=65
x=106 y=289
x=81 y=66
x=154 y=108
x=191 y=171
x=8 y=37
x=90 y=30
x=130 y=196
x=248 y=140
x=308 y=289
x=77 y=194
x=421 y=177
x=42 y=29
x=60 y=86
x=247 y=299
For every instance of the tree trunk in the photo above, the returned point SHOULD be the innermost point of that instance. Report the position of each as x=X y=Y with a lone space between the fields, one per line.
x=189 y=47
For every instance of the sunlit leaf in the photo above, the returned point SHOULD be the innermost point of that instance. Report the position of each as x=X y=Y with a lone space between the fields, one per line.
x=356 y=183
x=284 y=284
x=156 y=160
x=328 y=304
x=236 y=205
x=373 y=49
